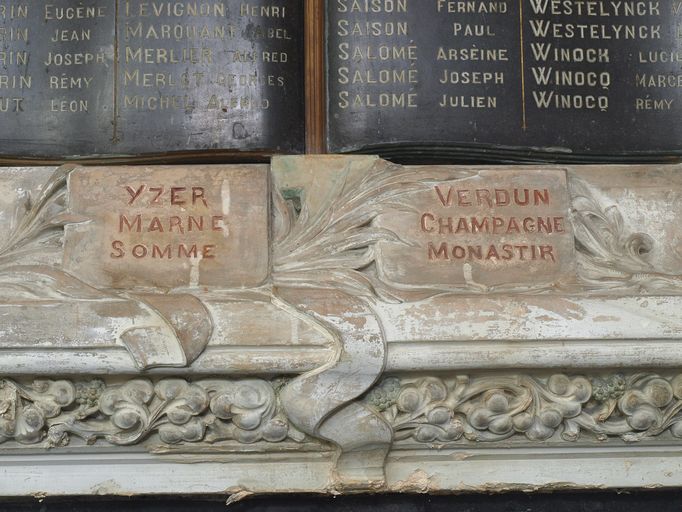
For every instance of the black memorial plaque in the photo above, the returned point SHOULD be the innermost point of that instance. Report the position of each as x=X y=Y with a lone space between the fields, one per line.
x=554 y=79
x=133 y=77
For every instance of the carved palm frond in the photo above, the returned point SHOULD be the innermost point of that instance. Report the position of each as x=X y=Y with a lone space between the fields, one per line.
x=608 y=256
x=335 y=246
x=37 y=225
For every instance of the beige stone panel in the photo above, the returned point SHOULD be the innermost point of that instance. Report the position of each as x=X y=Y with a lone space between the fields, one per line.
x=479 y=226
x=169 y=227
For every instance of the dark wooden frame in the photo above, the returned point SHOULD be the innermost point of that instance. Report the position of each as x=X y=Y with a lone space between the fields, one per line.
x=315 y=85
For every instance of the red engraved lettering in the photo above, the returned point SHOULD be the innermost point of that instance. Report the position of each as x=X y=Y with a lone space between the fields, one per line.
x=547 y=252
x=484 y=194
x=498 y=222
x=198 y=224
x=158 y=253
x=459 y=252
x=117 y=246
x=476 y=251
x=134 y=194
x=217 y=223
x=463 y=198
x=425 y=217
x=139 y=251
x=207 y=251
x=198 y=193
x=445 y=201
x=159 y=191
x=462 y=225
x=541 y=197
x=135 y=225
x=492 y=253
x=501 y=197
x=188 y=252
x=175 y=222
x=445 y=227
x=175 y=195
x=441 y=253
x=544 y=224
x=513 y=226
x=155 y=225
x=559 y=225
x=479 y=225
x=526 y=197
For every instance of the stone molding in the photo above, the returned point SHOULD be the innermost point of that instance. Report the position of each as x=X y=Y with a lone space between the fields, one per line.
x=356 y=362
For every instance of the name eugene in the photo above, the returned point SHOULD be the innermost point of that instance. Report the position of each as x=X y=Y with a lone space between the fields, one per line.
x=185 y=224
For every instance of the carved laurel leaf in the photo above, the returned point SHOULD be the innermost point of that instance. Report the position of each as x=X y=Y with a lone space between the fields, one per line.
x=339 y=239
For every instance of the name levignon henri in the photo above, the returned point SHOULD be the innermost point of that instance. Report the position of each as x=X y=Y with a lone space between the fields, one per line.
x=497 y=225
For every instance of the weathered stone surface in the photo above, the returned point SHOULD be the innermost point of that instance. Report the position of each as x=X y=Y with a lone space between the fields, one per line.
x=169 y=227
x=486 y=227
x=320 y=338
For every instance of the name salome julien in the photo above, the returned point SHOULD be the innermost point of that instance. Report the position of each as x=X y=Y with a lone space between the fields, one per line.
x=467 y=227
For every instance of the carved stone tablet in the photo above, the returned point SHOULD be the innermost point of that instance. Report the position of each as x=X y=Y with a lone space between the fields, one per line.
x=400 y=328
x=513 y=79
x=169 y=226
x=485 y=227
x=113 y=78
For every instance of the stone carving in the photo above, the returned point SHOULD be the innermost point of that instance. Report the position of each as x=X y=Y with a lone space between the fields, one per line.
x=463 y=408
x=246 y=411
x=608 y=257
x=325 y=249
x=36 y=224
x=336 y=246
x=332 y=245
x=434 y=410
x=322 y=265
x=322 y=403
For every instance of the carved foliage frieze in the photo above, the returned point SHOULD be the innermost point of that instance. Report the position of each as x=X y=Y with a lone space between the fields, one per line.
x=246 y=411
x=472 y=409
x=428 y=410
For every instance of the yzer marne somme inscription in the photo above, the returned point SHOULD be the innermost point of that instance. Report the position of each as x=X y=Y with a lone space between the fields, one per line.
x=169 y=227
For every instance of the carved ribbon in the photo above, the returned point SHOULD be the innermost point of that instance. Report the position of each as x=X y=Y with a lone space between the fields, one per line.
x=320 y=402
